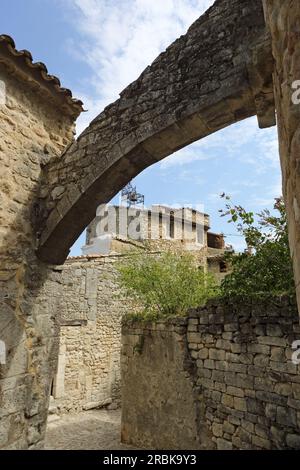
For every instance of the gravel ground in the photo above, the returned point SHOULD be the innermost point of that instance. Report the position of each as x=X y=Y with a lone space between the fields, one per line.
x=89 y=430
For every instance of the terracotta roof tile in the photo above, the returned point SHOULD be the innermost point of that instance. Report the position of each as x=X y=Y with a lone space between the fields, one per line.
x=24 y=59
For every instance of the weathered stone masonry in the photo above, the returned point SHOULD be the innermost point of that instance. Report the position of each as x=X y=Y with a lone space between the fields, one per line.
x=283 y=20
x=222 y=378
x=218 y=73
x=36 y=124
x=91 y=307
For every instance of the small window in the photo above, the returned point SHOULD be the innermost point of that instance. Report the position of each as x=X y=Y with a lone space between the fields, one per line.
x=223 y=267
x=52 y=388
x=172 y=225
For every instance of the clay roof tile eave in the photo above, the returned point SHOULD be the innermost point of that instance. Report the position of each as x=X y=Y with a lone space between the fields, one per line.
x=38 y=71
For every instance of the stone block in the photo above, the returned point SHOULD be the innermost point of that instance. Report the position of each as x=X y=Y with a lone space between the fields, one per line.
x=218 y=376
x=236 y=392
x=278 y=354
x=209 y=364
x=235 y=367
x=227 y=336
x=270 y=397
x=271 y=411
x=218 y=355
x=244 y=381
x=247 y=425
x=256 y=371
x=220 y=386
x=216 y=396
x=261 y=443
x=227 y=400
x=217 y=430
x=228 y=428
x=232 y=358
x=262 y=431
x=240 y=404
x=237 y=348
x=231 y=327
x=194 y=337
x=293 y=441
x=223 y=444
x=294 y=403
x=203 y=353
x=244 y=435
x=258 y=348
x=286 y=416
x=274 y=330
x=296 y=391
x=221 y=365
x=277 y=435
x=284 y=389
x=272 y=341
x=223 y=344
x=261 y=383
x=234 y=420
x=255 y=406
x=261 y=360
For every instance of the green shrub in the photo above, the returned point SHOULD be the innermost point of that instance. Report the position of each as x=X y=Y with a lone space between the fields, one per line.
x=266 y=269
x=165 y=285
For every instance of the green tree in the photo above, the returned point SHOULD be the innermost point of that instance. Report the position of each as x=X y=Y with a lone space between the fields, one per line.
x=266 y=267
x=165 y=285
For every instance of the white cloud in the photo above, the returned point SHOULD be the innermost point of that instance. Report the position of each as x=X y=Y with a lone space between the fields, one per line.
x=183 y=157
x=243 y=141
x=120 y=39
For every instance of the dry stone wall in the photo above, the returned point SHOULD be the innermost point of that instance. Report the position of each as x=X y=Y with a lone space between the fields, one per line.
x=223 y=378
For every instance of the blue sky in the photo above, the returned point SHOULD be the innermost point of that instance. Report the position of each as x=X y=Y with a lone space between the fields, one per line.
x=97 y=47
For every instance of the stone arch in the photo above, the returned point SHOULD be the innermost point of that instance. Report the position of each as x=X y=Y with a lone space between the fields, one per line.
x=220 y=72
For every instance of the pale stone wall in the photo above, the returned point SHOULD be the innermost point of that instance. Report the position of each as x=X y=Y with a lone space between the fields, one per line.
x=91 y=308
x=222 y=378
x=159 y=405
x=32 y=131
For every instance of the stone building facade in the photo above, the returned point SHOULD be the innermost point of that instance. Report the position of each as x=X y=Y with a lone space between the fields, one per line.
x=183 y=227
x=37 y=119
x=121 y=229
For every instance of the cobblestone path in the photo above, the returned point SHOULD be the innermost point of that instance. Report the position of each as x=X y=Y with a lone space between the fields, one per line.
x=90 y=430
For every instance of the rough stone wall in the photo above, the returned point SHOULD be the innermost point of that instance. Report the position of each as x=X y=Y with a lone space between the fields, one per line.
x=220 y=72
x=91 y=308
x=237 y=359
x=283 y=19
x=31 y=131
x=159 y=397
